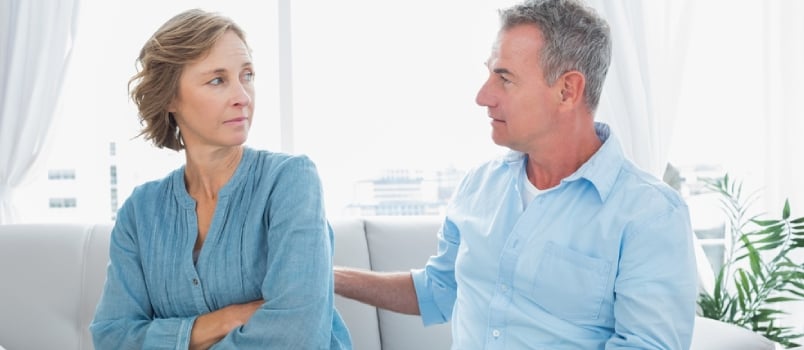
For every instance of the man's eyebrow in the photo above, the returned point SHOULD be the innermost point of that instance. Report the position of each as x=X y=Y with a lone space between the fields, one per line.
x=502 y=71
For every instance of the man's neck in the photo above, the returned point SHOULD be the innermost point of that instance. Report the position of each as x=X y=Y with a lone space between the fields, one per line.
x=553 y=161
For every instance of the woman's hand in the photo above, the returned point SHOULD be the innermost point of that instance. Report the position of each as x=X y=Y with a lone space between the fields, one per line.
x=209 y=328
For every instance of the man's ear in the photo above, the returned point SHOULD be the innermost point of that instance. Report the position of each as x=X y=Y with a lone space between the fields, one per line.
x=572 y=85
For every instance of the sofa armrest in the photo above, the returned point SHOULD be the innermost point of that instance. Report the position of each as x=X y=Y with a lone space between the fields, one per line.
x=45 y=285
x=711 y=334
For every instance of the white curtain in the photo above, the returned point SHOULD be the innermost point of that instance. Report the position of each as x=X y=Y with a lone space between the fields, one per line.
x=642 y=89
x=35 y=44
x=784 y=118
x=639 y=99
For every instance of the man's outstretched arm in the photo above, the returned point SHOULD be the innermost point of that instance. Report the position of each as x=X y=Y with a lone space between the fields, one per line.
x=386 y=290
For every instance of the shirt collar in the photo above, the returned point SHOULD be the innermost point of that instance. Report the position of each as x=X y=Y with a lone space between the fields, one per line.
x=604 y=166
x=601 y=170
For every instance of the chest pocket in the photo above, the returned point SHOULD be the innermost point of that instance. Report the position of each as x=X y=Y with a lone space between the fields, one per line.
x=570 y=285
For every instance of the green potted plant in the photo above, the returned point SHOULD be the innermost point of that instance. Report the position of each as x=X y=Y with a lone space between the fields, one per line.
x=758 y=274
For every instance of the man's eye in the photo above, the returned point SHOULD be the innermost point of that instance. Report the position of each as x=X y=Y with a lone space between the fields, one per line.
x=502 y=77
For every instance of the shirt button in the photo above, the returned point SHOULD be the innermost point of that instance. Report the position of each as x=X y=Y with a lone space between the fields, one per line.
x=504 y=288
x=195 y=281
x=495 y=333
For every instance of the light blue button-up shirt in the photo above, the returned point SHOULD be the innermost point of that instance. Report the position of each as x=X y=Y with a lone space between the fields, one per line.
x=604 y=260
x=269 y=239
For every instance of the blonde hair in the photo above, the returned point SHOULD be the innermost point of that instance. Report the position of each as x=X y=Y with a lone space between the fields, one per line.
x=184 y=38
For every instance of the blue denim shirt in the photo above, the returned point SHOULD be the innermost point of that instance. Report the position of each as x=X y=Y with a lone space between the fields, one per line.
x=603 y=260
x=269 y=239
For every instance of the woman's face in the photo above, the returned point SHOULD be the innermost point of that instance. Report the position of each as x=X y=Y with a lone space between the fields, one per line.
x=215 y=103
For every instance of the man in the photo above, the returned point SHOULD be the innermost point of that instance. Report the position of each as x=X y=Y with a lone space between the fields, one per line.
x=563 y=243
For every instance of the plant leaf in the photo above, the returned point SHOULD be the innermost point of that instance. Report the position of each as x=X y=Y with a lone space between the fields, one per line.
x=780 y=299
x=766 y=222
x=786 y=210
x=753 y=258
x=745 y=292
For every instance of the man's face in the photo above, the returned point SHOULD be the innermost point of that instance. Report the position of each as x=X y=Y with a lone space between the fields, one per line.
x=522 y=107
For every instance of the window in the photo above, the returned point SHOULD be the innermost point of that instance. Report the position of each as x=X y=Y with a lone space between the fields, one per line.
x=391 y=94
x=371 y=95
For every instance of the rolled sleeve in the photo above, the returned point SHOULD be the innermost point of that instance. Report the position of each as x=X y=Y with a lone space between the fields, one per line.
x=429 y=309
x=436 y=288
x=170 y=333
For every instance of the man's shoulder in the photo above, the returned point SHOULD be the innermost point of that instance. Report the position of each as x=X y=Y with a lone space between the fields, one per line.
x=640 y=185
x=500 y=162
x=489 y=175
x=491 y=168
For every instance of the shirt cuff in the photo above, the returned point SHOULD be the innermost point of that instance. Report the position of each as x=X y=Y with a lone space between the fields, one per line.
x=428 y=308
x=169 y=333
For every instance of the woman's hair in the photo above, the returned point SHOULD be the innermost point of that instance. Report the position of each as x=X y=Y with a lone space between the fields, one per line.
x=575 y=38
x=183 y=39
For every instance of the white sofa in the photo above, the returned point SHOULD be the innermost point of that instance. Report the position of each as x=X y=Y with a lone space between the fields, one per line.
x=51 y=277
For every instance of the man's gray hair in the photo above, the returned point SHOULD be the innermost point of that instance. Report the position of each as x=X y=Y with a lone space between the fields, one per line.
x=575 y=38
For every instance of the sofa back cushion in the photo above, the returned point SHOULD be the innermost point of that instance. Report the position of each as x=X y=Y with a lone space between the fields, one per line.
x=351 y=250
x=400 y=244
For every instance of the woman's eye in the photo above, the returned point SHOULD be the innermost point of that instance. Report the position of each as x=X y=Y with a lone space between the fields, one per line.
x=249 y=76
x=216 y=81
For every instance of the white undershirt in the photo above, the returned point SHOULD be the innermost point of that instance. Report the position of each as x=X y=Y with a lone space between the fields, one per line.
x=530 y=191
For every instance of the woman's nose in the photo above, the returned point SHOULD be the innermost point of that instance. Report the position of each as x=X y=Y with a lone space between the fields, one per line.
x=242 y=95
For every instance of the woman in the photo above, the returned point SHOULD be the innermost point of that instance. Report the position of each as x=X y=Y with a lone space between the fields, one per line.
x=232 y=250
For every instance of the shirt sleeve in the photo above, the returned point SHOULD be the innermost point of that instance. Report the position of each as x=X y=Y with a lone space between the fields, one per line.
x=298 y=286
x=124 y=317
x=436 y=288
x=656 y=285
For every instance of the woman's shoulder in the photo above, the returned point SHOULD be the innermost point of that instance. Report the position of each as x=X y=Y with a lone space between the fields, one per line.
x=150 y=197
x=273 y=155
x=270 y=168
x=269 y=160
x=153 y=188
